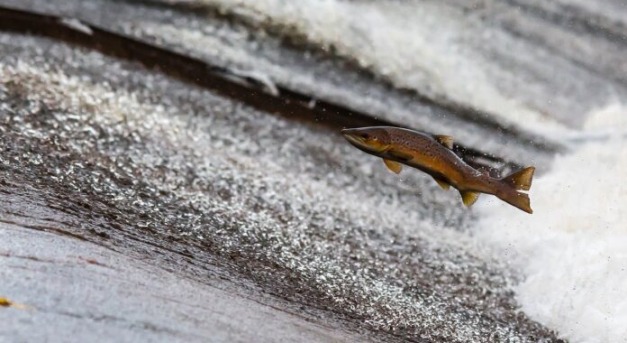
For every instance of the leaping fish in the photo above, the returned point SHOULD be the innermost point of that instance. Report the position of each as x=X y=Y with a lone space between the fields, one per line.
x=434 y=156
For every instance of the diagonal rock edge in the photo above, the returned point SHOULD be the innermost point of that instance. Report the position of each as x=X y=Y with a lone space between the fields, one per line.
x=167 y=183
x=291 y=103
x=294 y=37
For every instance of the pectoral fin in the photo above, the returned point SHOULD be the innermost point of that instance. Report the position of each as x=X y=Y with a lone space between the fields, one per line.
x=393 y=166
x=469 y=198
x=442 y=183
x=447 y=141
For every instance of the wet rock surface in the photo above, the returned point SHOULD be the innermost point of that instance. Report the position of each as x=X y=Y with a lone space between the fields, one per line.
x=285 y=206
x=204 y=218
x=80 y=291
x=226 y=42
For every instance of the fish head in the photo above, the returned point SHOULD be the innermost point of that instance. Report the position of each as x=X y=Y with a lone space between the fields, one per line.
x=369 y=139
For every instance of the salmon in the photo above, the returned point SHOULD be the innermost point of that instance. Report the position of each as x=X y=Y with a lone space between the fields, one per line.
x=433 y=155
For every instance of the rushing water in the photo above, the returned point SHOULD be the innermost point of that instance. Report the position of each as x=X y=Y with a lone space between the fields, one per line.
x=572 y=249
x=334 y=220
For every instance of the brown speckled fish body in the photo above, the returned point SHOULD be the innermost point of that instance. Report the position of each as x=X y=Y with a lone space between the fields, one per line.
x=434 y=156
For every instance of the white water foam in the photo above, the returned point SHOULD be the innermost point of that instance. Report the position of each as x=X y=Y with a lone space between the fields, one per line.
x=415 y=45
x=573 y=249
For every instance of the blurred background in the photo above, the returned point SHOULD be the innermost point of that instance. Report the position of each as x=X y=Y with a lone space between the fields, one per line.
x=172 y=170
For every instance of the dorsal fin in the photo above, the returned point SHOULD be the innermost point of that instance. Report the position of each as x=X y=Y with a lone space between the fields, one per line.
x=445 y=140
x=468 y=197
x=393 y=166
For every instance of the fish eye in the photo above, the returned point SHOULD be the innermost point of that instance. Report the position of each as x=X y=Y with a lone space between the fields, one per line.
x=368 y=137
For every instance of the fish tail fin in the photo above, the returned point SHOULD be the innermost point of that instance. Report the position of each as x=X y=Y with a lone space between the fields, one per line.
x=519 y=200
x=520 y=180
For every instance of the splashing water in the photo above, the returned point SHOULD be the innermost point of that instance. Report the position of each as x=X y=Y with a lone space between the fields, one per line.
x=573 y=249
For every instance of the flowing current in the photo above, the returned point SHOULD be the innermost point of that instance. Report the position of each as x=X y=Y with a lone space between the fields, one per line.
x=570 y=253
x=572 y=250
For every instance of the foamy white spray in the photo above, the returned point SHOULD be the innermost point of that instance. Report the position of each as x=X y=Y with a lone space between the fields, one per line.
x=573 y=249
x=415 y=45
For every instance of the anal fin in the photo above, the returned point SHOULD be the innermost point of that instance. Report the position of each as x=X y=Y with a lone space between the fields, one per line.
x=393 y=166
x=468 y=197
x=445 y=185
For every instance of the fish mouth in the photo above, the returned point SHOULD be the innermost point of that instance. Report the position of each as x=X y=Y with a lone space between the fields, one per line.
x=353 y=138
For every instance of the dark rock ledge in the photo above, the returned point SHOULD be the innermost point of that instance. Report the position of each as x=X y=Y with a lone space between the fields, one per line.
x=138 y=204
